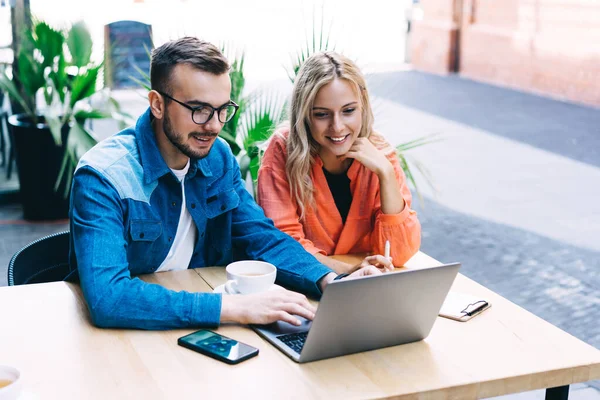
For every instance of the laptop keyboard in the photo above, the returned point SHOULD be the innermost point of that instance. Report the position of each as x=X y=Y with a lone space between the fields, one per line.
x=294 y=340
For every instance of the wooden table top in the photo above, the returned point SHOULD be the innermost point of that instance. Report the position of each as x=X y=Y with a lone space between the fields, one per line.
x=46 y=333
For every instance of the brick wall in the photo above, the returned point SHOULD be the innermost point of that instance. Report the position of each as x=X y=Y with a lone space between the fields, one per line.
x=550 y=47
x=433 y=40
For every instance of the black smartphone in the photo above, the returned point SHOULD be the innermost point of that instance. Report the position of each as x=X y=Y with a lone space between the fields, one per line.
x=218 y=346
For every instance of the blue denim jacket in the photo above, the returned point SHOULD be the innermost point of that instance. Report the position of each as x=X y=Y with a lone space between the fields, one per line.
x=125 y=207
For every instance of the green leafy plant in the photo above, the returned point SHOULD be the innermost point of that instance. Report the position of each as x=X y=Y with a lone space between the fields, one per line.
x=317 y=42
x=257 y=118
x=263 y=112
x=144 y=79
x=401 y=150
x=238 y=81
x=58 y=63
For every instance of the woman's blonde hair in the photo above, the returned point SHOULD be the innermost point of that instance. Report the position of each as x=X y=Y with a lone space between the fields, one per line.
x=317 y=71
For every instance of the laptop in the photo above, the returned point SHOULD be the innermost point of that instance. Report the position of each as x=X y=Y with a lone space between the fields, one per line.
x=369 y=313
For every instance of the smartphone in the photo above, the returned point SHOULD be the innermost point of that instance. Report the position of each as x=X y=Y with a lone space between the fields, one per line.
x=218 y=346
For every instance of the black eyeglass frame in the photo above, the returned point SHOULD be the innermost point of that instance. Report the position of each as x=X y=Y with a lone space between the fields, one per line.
x=205 y=105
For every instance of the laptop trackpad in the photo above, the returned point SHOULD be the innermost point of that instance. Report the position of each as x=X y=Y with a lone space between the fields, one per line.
x=282 y=328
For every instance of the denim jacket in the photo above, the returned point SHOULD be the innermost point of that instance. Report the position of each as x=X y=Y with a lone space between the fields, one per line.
x=125 y=207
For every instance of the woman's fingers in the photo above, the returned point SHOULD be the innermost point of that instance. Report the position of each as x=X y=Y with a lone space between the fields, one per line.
x=381 y=262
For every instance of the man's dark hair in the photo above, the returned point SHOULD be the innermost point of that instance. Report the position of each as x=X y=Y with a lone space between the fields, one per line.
x=187 y=50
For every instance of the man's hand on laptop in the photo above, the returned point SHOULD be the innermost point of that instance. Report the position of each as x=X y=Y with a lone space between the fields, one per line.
x=266 y=307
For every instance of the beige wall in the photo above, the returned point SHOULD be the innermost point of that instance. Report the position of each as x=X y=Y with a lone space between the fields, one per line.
x=545 y=46
x=433 y=39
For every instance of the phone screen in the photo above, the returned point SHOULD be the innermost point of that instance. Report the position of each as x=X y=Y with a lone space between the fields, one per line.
x=218 y=346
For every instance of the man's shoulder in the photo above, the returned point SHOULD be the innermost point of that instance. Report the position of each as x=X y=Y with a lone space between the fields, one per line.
x=117 y=160
x=111 y=151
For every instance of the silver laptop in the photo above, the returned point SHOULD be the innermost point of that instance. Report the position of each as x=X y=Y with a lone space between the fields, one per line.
x=369 y=313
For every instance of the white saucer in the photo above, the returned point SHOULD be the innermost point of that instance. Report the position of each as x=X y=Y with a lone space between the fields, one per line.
x=221 y=289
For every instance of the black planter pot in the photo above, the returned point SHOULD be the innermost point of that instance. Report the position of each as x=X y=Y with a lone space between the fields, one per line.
x=38 y=161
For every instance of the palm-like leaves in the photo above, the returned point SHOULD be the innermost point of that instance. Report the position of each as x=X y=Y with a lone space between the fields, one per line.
x=79 y=141
x=144 y=77
x=9 y=87
x=255 y=121
x=46 y=55
x=404 y=162
x=30 y=72
x=49 y=42
x=264 y=111
x=84 y=85
x=40 y=52
x=59 y=78
x=238 y=82
x=319 y=41
x=144 y=81
x=79 y=42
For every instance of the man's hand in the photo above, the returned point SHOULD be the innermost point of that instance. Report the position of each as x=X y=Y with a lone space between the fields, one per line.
x=382 y=263
x=266 y=307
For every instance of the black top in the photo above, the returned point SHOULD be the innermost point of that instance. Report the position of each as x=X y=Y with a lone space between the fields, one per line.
x=339 y=184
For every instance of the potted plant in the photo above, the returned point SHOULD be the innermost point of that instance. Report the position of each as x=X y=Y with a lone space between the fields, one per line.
x=58 y=79
x=259 y=114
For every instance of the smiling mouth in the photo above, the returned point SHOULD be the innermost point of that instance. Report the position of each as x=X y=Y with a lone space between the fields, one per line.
x=338 y=139
x=204 y=138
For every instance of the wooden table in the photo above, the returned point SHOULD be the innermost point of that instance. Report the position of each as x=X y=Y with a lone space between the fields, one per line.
x=45 y=332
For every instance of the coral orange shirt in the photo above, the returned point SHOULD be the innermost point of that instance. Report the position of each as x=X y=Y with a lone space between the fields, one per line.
x=366 y=229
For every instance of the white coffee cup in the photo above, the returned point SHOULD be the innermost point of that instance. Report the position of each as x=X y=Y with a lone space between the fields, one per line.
x=13 y=389
x=245 y=277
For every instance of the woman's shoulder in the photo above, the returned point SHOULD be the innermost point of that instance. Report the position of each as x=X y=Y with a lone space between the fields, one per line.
x=382 y=144
x=279 y=137
x=276 y=151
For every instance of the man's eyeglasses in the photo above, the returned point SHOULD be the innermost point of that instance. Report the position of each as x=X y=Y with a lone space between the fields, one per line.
x=204 y=112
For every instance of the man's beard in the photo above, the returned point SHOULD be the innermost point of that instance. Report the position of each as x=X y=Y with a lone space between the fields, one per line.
x=178 y=140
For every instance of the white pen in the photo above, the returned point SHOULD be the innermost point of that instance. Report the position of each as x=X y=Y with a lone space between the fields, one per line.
x=387 y=249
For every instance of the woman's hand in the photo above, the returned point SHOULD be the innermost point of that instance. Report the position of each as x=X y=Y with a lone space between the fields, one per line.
x=368 y=155
x=380 y=262
x=366 y=271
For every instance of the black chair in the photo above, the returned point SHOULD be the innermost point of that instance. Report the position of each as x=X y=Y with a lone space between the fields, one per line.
x=44 y=260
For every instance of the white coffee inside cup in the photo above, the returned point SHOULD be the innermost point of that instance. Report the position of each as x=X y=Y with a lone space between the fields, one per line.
x=250 y=276
x=10 y=385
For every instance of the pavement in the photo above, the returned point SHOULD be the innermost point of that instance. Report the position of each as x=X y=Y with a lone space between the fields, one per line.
x=515 y=198
x=517 y=183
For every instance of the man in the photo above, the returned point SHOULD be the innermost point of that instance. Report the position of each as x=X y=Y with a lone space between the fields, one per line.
x=168 y=194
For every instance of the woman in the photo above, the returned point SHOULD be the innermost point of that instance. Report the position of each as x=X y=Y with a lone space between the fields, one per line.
x=331 y=182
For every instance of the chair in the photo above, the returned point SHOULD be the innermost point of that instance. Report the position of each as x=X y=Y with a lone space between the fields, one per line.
x=44 y=260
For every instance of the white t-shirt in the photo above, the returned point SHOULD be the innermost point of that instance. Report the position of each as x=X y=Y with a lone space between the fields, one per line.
x=181 y=251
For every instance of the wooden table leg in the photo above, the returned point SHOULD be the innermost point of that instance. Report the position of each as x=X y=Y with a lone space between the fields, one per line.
x=558 y=393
